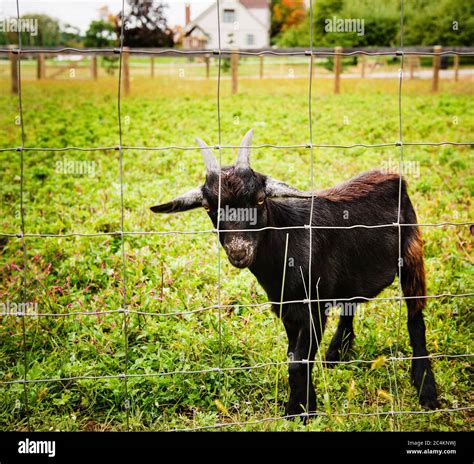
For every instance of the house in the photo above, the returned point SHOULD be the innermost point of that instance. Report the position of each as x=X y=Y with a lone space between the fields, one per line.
x=245 y=24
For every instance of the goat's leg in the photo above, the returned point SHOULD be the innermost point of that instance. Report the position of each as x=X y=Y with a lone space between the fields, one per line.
x=302 y=393
x=421 y=373
x=413 y=284
x=292 y=332
x=342 y=340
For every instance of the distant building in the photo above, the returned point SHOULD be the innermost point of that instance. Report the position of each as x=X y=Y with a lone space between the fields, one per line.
x=244 y=24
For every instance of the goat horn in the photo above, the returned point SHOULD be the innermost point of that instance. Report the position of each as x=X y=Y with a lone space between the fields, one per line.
x=209 y=159
x=243 y=156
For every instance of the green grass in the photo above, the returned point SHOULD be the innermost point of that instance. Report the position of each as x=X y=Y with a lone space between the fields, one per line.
x=173 y=273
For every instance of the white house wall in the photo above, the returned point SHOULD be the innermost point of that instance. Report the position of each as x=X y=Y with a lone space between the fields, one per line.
x=263 y=14
x=244 y=24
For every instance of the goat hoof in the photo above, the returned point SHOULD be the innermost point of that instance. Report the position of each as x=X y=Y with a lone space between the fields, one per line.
x=294 y=410
x=427 y=394
x=430 y=402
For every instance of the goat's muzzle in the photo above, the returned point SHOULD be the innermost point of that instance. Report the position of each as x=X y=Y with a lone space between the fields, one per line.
x=240 y=252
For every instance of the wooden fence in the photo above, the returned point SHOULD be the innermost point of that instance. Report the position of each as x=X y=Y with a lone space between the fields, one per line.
x=411 y=55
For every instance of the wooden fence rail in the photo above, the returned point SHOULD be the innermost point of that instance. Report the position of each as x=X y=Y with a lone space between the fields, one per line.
x=412 y=54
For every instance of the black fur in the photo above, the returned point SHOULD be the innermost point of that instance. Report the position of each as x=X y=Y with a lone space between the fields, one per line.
x=346 y=263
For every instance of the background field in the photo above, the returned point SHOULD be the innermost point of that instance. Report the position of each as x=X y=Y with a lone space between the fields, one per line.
x=174 y=273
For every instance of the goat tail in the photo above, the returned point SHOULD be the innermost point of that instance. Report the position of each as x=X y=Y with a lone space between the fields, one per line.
x=413 y=279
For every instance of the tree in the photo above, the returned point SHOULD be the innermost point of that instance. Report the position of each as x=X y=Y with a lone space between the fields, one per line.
x=100 y=34
x=145 y=25
x=299 y=35
x=445 y=22
x=286 y=14
x=71 y=36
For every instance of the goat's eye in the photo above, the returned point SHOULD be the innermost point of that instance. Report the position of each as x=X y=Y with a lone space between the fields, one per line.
x=261 y=201
x=206 y=208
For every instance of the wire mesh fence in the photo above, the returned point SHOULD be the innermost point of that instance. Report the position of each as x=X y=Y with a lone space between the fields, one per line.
x=310 y=299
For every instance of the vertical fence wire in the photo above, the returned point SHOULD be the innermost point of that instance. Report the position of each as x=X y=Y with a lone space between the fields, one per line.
x=124 y=310
x=396 y=403
x=313 y=330
x=219 y=198
x=309 y=382
x=22 y=218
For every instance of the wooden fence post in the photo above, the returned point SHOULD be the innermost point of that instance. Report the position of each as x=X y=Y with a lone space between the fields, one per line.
x=14 y=71
x=362 y=66
x=40 y=68
x=207 y=60
x=94 y=67
x=126 y=70
x=436 y=66
x=337 y=69
x=456 y=67
x=234 y=63
x=152 y=66
x=411 y=61
x=261 y=67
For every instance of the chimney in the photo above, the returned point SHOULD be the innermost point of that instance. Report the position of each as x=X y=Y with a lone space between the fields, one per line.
x=188 y=13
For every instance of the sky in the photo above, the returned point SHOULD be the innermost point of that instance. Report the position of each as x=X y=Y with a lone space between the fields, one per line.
x=80 y=13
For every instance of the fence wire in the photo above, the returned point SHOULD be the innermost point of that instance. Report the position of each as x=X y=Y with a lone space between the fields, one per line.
x=234 y=306
x=125 y=311
x=224 y=52
x=233 y=369
x=217 y=147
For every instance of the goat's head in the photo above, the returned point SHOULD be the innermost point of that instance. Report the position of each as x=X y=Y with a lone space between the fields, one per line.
x=243 y=207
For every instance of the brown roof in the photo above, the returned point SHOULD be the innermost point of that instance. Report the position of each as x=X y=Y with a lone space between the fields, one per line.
x=255 y=3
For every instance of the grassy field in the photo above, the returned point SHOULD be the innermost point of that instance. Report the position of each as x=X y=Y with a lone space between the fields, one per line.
x=175 y=272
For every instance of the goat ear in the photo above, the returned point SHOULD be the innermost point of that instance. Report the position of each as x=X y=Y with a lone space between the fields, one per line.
x=185 y=202
x=275 y=188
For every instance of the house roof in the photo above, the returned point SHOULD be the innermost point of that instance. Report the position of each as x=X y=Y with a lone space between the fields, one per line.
x=194 y=28
x=254 y=3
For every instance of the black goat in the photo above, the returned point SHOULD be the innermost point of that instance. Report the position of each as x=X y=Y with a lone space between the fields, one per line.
x=345 y=263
